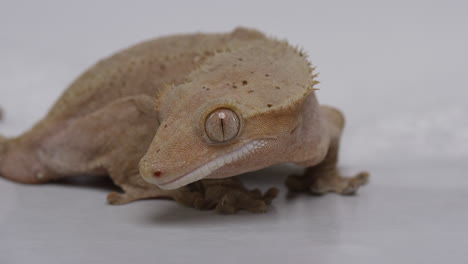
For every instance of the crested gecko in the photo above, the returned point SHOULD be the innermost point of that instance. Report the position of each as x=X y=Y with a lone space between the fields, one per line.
x=179 y=116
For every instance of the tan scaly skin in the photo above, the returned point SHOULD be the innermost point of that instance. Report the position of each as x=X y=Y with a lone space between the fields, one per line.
x=176 y=117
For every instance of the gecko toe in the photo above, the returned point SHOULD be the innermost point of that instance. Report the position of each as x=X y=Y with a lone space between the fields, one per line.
x=115 y=198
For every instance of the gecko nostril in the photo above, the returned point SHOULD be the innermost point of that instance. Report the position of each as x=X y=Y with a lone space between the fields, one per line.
x=157 y=174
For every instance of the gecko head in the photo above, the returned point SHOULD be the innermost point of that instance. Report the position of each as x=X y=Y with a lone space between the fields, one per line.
x=217 y=141
x=237 y=113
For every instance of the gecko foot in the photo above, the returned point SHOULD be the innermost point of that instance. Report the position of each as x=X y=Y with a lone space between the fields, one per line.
x=131 y=195
x=321 y=182
x=116 y=198
x=228 y=196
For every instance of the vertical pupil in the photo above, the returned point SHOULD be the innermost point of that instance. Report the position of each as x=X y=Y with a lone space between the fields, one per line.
x=222 y=125
x=222 y=116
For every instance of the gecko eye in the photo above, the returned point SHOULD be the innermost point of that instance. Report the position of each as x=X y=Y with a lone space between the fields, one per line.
x=222 y=125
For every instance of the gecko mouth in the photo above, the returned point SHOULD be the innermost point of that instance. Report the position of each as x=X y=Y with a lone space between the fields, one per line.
x=211 y=166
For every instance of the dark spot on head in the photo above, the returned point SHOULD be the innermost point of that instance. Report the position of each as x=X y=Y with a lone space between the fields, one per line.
x=250 y=91
x=293 y=130
x=267 y=75
x=277 y=87
x=162 y=67
x=244 y=82
x=252 y=72
x=240 y=59
x=157 y=174
x=234 y=86
x=269 y=105
x=165 y=125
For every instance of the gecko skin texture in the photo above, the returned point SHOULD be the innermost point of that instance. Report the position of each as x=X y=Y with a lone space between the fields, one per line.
x=179 y=116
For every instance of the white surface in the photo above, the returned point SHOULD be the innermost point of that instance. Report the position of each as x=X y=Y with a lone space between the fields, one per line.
x=398 y=70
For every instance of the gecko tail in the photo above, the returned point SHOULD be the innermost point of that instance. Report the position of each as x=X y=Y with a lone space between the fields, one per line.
x=2 y=138
x=3 y=143
x=18 y=163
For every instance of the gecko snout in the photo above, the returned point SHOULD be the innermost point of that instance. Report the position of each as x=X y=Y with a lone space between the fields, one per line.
x=149 y=172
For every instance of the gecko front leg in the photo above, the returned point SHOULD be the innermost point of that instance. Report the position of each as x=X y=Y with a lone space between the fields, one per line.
x=135 y=188
x=326 y=176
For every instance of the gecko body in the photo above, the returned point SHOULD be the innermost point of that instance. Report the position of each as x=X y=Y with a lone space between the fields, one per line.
x=177 y=117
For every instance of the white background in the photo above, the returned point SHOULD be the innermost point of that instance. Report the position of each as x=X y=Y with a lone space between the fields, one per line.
x=398 y=69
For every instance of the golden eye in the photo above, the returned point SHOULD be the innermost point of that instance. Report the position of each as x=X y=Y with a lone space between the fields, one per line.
x=222 y=125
